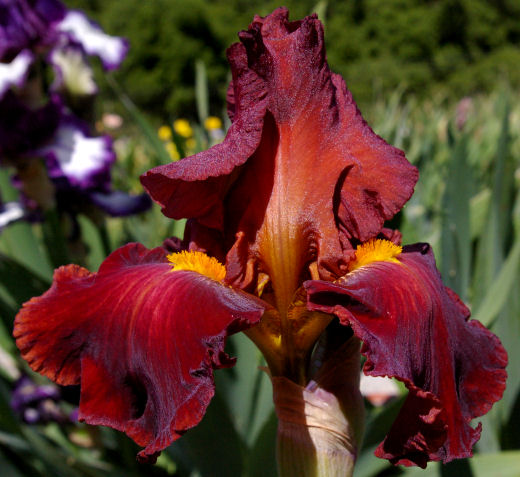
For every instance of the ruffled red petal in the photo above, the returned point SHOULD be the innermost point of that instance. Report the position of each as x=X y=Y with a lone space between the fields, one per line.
x=140 y=339
x=299 y=169
x=194 y=187
x=416 y=330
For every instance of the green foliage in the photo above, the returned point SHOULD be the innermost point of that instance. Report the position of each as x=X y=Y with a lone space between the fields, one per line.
x=457 y=46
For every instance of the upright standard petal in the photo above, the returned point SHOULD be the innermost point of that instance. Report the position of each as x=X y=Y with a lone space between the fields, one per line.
x=300 y=174
x=141 y=339
x=416 y=330
x=72 y=73
x=84 y=32
x=26 y=24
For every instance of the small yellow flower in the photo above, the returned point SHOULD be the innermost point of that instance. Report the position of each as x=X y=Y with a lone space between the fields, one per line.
x=172 y=151
x=190 y=144
x=212 y=123
x=182 y=128
x=164 y=133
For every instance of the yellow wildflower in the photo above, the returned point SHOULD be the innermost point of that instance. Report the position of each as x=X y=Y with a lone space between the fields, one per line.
x=172 y=151
x=212 y=122
x=182 y=128
x=164 y=133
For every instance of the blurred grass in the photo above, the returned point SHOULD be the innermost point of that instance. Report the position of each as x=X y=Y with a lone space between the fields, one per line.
x=466 y=204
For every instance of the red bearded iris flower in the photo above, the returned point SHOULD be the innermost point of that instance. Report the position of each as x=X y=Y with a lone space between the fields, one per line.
x=286 y=235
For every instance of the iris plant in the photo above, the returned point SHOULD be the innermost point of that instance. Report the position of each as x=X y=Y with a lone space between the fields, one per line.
x=286 y=241
x=51 y=122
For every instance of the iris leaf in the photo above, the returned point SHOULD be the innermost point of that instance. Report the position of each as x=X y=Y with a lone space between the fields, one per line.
x=201 y=91
x=19 y=242
x=19 y=281
x=148 y=131
x=262 y=459
x=455 y=232
x=213 y=447
x=368 y=465
x=246 y=389
x=92 y=237
x=495 y=299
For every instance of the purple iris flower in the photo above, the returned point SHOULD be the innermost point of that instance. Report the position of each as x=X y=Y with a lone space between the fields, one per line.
x=73 y=155
x=25 y=24
x=11 y=212
x=89 y=35
x=36 y=403
x=77 y=163
x=15 y=72
x=33 y=26
x=28 y=24
x=22 y=129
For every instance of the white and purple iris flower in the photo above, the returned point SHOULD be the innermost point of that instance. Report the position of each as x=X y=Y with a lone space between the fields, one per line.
x=11 y=212
x=89 y=35
x=14 y=73
x=80 y=164
x=76 y=157
x=44 y=32
x=28 y=25
x=66 y=36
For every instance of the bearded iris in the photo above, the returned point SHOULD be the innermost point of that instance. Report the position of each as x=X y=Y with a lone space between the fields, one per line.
x=41 y=39
x=285 y=239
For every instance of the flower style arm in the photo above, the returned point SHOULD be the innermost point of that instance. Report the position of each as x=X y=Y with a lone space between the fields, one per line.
x=141 y=339
x=416 y=330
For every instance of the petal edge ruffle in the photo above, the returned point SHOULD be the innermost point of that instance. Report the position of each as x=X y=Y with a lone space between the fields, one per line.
x=140 y=339
x=416 y=330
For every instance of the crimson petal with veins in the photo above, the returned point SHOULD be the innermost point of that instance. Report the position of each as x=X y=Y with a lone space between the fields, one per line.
x=299 y=171
x=140 y=339
x=416 y=330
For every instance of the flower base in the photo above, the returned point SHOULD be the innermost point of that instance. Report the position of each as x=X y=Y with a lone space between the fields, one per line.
x=320 y=425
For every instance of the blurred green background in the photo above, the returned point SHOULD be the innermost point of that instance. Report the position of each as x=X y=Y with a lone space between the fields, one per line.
x=438 y=79
x=456 y=47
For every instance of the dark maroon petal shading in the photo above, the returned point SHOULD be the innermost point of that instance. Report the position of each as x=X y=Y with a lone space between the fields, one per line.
x=416 y=330
x=298 y=159
x=140 y=339
x=195 y=186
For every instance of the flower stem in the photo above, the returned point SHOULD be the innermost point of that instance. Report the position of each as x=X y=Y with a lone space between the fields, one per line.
x=320 y=425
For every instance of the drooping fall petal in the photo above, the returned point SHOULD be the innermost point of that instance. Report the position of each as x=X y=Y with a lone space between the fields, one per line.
x=417 y=330
x=141 y=340
x=299 y=170
x=22 y=129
